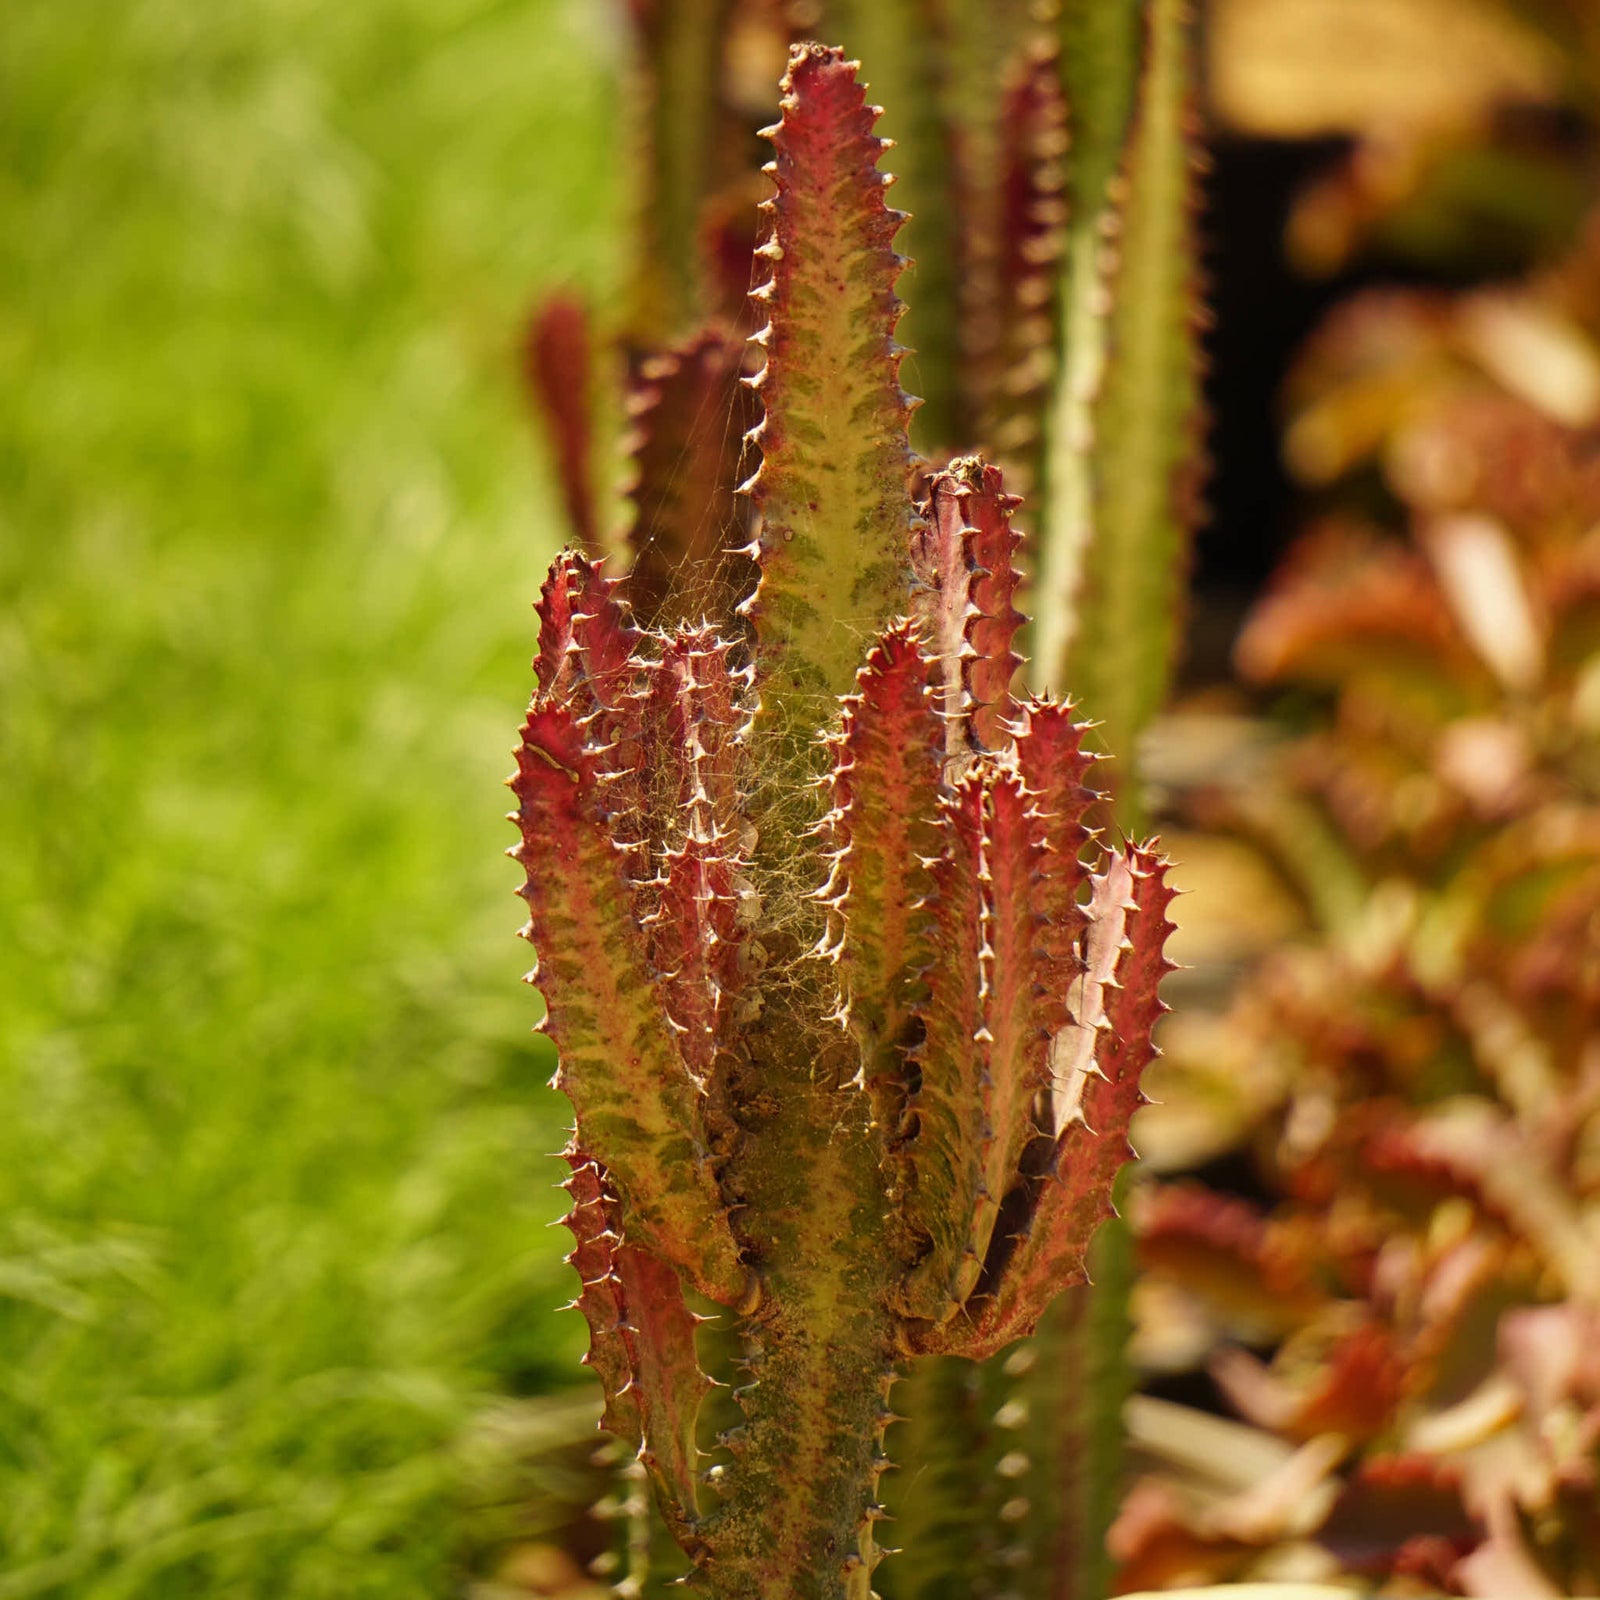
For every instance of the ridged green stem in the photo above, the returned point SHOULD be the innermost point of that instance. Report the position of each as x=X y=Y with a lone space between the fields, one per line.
x=900 y=46
x=683 y=48
x=1099 y=69
x=953 y=1544
x=1072 y=1390
x=1122 y=441
x=797 y=1520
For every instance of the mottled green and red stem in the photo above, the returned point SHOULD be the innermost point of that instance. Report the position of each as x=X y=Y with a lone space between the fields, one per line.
x=851 y=1029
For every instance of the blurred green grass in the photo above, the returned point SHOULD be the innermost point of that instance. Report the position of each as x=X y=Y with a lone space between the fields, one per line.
x=273 y=1132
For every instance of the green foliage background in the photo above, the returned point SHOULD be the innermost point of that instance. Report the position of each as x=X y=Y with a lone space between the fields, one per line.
x=273 y=1133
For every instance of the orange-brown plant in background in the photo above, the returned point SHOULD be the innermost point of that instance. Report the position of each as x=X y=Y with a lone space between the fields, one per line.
x=1419 y=1085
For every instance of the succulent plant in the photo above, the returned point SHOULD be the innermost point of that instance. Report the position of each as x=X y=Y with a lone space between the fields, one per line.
x=1048 y=155
x=850 y=1005
x=989 y=145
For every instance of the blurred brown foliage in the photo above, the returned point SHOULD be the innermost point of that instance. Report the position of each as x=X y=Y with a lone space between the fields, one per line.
x=1402 y=1302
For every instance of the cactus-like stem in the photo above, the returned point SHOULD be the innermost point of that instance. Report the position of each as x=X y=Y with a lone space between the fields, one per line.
x=831 y=488
x=800 y=1494
x=949 y=1202
x=557 y=366
x=1011 y=354
x=699 y=939
x=801 y=1517
x=899 y=44
x=860 y=1072
x=690 y=413
x=620 y=1064
x=1096 y=1067
x=1119 y=462
x=1068 y=1386
x=948 y=71
x=951 y=1539
x=751 y=1158
x=684 y=134
x=1007 y=131
x=965 y=558
x=885 y=832
x=993 y=547
x=642 y=1340
x=1122 y=454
